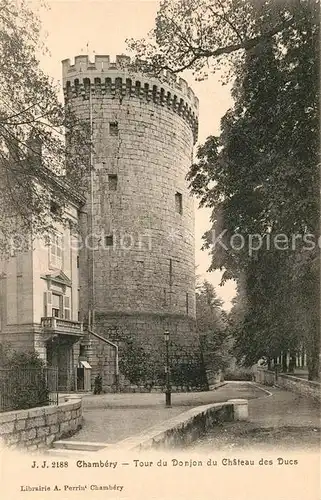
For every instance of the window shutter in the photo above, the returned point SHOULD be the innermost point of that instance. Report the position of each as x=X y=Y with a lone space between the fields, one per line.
x=61 y=306
x=56 y=250
x=66 y=307
x=52 y=250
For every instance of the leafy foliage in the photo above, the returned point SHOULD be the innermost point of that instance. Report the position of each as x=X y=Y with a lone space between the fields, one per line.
x=261 y=177
x=187 y=368
x=203 y=35
x=135 y=363
x=211 y=327
x=143 y=366
x=238 y=374
x=32 y=131
x=22 y=379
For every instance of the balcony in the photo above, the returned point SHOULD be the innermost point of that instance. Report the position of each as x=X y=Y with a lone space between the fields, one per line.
x=61 y=326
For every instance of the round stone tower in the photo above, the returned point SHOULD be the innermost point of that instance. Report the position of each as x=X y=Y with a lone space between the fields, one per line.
x=137 y=272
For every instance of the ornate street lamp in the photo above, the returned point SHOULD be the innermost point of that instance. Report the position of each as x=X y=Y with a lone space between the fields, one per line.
x=167 y=371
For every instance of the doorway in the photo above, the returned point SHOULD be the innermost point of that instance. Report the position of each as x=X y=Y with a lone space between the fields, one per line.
x=59 y=355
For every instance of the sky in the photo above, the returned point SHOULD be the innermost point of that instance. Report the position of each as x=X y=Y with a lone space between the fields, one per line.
x=69 y=25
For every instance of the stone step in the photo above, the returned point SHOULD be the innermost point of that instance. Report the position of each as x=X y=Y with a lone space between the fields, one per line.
x=64 y=452
x=79 y=445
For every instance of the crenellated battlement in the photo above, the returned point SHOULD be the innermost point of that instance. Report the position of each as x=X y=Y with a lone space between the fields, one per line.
x=103 y=64
x=121 y=78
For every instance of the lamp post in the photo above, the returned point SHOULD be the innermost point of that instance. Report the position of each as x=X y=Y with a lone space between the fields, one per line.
x=167 y=371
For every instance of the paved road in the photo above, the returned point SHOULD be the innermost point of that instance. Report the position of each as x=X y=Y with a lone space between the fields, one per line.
x=109 y=418
x=280 y=420
x=278 y=416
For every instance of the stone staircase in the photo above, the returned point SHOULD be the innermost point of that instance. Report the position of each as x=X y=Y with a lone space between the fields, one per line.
x=74 y=448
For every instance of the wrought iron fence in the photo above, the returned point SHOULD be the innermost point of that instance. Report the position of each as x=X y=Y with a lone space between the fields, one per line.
x=24 y=388
x=66 y=380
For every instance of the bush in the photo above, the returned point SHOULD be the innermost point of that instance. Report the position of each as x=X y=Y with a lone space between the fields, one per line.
x=188 y=369
x=244 y=374
x=146 y=367
x=98 y=384
x=23 y=382
x=135 y=363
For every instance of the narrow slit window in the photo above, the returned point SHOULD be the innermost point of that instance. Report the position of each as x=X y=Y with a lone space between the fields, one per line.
x=112 y=182
x=109 y=240
x=113 y=128
x=179 y=203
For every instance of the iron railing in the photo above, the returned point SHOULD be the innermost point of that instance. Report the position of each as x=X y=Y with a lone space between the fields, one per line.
x=25 y=388
x=66 y=380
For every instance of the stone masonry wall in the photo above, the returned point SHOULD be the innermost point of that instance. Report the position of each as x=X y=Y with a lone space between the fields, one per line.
x=146 y=330
x=139 y=274
x=39 y=427
x=101 y=357
x=301 y=386
x=150 y=265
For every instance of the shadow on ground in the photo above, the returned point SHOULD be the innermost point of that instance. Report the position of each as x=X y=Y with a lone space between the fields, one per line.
x=246 y=435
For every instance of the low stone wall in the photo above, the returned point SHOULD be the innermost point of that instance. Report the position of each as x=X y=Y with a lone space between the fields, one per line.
x=39 y=427
x=128 y=389
x=214 y=379
x=265 y=377
x=187 y=427
x=301 y=386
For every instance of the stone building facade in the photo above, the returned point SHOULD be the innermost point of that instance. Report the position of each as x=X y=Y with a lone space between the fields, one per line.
x=39 y=295
x=137 y=275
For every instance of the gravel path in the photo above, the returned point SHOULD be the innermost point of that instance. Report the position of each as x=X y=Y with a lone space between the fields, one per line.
x=109 y=418
x=276 y=417
x=281 y=420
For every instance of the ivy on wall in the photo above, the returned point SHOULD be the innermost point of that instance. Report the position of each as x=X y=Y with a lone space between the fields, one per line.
x=143 y=365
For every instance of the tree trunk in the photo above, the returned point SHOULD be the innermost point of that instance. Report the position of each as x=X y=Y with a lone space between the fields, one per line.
x=313 y=351
x=313 y=364
x=284 y=362
x=292 y=362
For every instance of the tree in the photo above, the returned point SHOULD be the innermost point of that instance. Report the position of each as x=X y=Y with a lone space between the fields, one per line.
x=32 y=131
x=261 y=177
x=211 y=327
x=201 y=35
